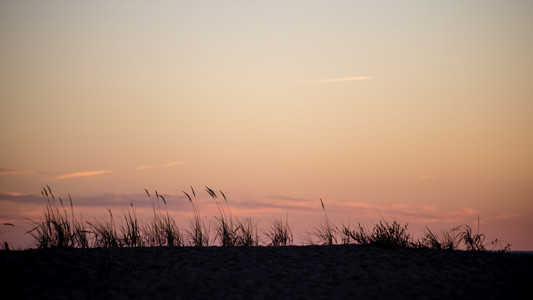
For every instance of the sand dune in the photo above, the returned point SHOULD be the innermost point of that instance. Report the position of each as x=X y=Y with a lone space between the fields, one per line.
x=343 y=271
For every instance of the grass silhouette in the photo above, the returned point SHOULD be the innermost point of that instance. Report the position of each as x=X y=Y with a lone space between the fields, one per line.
x=280 y=233
x=60 y=228
x=383 y=234
x=131 y=230
x=162 y=231
x=326 y=233
x=105 y=233
x=198 y=232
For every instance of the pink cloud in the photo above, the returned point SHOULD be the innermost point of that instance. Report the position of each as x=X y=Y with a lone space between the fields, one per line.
x=467 y=211
x=428 y=208
x=83 y=174
x=12 y=194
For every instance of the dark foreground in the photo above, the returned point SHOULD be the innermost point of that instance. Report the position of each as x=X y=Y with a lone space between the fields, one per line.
x=363 y=272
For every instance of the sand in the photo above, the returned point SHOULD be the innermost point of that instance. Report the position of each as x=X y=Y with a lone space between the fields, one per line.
x=298 y=272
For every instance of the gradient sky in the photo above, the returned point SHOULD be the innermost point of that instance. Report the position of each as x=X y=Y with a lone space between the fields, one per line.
x=420 y=111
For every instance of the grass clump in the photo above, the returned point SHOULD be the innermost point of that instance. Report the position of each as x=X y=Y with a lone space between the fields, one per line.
x=392 y=235
x=460 y=237
x=383 y=234
x=280 y=233
x=131 y=230
x=325 y=232
x=162 y=231
x=229 y=233
x=476 y=241
x=446 y=240
x=198 y=233
x=58 y=228
x=105 y=233
x=246 y=233
x=225 y=230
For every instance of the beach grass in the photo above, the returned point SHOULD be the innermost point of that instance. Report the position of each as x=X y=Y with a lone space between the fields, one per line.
x=104 y=233
x=162 y=231
x=383 y=234
x=280 y=233
x=131 y=230
x=325 y=232
x=58 y=228
x=198 y=233
x=447 y=240
x=61 y=228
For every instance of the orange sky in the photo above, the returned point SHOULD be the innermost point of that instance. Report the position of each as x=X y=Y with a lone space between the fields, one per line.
x=419 y=111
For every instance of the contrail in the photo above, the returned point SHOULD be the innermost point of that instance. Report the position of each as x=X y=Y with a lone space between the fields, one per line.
x=326 y=80
x=172 y=164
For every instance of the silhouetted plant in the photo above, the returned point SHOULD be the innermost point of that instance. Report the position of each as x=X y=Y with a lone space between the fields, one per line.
x=163 y=230
x=473 y=241
x=105 y=233
x=246 y=233
x=359 y=235
x=325 y=232
x=198 y=233
x=383 y=234
x=280 y=233
x=131 y=230
x=447 y=240
x=394 y=234
x=225 y=231
x=58 y=228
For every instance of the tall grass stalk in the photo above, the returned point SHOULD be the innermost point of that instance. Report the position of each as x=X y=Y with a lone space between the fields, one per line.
x=325 y=232
x=198 y=233
x=225 y=230
x=162 y=231
x=131 y=229
x=80 y=231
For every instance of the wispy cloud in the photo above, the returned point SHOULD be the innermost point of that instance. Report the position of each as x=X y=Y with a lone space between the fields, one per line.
x=6 y=171
x=171 y=164
x=11 y=194
x=325 y=80
x=83 y=174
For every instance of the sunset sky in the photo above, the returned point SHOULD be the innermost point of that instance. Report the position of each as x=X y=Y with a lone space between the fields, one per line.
x=419 y=111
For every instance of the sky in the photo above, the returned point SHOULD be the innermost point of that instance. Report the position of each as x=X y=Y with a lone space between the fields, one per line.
x=417 y=111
